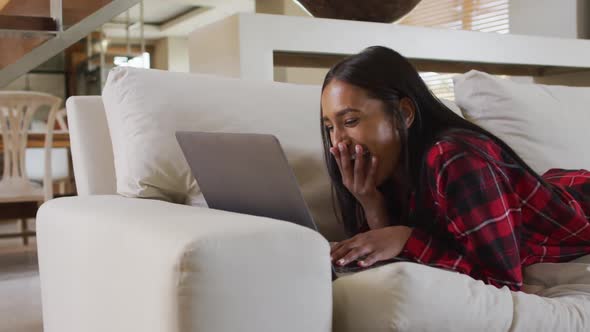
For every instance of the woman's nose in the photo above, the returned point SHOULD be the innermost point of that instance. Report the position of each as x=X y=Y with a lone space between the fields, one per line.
x=339 y=136
x=344 y=140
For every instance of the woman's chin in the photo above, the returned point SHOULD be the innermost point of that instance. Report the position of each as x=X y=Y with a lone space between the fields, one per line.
x=383 y=180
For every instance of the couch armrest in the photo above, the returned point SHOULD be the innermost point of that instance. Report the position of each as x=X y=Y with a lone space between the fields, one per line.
x=109 y=263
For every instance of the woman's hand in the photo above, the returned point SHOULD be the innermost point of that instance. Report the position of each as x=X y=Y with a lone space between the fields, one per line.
x=361 y=183
x=375 y=245
x=359 y=178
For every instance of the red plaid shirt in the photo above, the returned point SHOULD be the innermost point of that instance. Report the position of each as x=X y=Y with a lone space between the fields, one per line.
x=499 y=218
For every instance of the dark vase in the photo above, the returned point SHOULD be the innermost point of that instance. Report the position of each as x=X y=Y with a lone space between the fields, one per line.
x=384 y=11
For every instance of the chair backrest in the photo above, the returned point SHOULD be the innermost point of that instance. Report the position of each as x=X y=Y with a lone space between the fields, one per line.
x=90 y=143
x=61 y=120
x=17 y=109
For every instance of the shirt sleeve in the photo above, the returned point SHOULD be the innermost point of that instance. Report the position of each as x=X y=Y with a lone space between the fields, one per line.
x=479 y=209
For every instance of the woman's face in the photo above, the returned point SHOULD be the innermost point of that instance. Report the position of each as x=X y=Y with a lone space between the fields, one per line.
x=353 y=117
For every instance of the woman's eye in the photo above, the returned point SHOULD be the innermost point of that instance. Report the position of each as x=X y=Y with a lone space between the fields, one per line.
x=328 y=128
x=351 y=122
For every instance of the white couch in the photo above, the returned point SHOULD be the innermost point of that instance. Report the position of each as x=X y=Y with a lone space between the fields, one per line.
x=114 y=263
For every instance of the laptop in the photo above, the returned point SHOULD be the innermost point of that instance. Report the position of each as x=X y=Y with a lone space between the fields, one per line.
x=249 y=173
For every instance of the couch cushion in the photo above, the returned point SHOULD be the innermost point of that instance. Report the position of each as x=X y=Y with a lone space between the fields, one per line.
x=408 y=296
x=92 y=152
x=546 y=125
x=145 y=108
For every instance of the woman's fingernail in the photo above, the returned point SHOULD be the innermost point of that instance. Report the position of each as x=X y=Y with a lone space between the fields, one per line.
x=341 y=146
x=341 y=262
x=357 y=148
x=362 y=262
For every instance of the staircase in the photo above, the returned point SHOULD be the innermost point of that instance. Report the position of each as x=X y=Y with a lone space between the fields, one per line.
x=33 y=31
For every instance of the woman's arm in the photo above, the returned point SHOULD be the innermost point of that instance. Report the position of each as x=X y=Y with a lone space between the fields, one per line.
x=376 y=214
x=425 y=248
x=480 y=210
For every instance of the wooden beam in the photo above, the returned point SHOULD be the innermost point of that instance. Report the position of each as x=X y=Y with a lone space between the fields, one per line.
x=27 y=8
x=73 y=10
x=15 y=45
x=3 y=3
x=77 y=10
x=71 y=35
x=27 y=23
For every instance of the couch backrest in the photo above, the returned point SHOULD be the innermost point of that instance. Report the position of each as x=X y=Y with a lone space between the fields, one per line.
x=92 y=152
x=145 y=107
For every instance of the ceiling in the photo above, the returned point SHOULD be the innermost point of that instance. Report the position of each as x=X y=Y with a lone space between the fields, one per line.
x=174 y=18
x=157 y=12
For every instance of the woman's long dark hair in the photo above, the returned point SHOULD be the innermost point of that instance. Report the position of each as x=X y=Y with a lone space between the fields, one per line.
x=388 y=76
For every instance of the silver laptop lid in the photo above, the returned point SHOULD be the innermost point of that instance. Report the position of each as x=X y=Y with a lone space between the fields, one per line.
x=245 y=173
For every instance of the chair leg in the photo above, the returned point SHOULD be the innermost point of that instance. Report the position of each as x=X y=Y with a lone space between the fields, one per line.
x=24 y=230
x=62 y=187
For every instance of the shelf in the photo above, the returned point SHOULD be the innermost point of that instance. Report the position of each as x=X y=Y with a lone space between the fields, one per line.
x=307 y=60
x=251 y=45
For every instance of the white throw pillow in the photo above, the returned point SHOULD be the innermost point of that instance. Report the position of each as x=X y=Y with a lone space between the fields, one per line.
x=546 y=125
x=452 y=106
x=145 y=108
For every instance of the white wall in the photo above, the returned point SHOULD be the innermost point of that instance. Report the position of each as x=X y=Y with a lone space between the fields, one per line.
x=172 y=54
x=178 y=54
x=526 y=17
x=544 y=17
x=562 y=18
x=160 y=58
x=220 y=56
x=302 y=75
x=555 y=18
x=313 y=76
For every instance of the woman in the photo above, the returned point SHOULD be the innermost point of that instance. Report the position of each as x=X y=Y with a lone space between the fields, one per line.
x=414 y=180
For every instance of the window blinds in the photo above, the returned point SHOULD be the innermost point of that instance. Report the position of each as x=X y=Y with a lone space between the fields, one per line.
x=477 y=15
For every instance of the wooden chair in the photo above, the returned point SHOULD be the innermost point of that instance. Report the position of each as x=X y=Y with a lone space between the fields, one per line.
x=17 y=109
x=60 y=157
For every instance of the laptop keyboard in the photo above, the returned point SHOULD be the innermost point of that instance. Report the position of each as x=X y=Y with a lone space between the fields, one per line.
x=354 y=267
x=350 y=268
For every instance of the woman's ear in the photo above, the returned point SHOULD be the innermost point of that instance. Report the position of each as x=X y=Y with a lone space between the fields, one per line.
x=408 y=109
